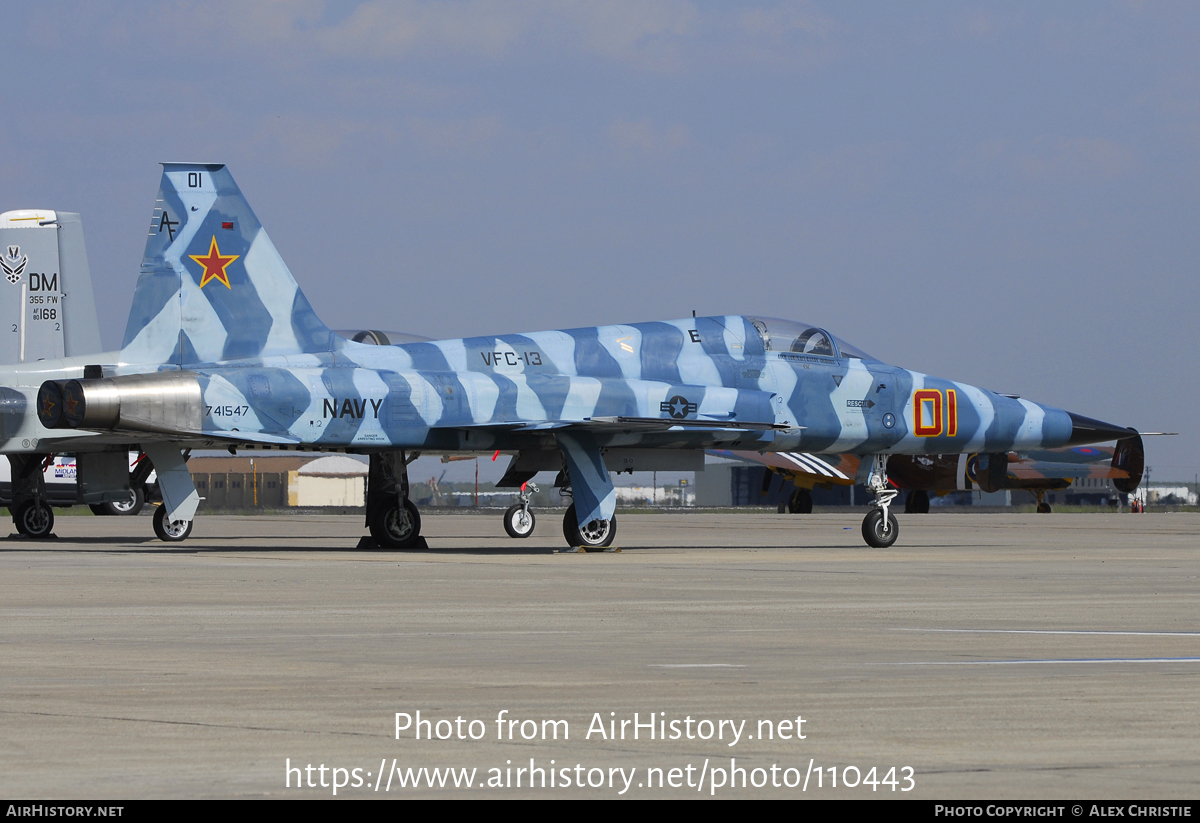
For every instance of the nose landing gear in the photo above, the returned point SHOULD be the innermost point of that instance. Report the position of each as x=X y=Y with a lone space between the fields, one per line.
x=879 y=527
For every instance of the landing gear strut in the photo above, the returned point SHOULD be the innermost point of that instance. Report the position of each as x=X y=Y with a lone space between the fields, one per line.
x=392 y=518
x=879 y=527
x=519 y=520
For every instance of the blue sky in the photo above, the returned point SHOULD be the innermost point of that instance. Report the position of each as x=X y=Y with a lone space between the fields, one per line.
x=999 y=193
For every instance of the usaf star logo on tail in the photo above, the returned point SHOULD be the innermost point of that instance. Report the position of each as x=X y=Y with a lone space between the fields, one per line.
x=214 y=264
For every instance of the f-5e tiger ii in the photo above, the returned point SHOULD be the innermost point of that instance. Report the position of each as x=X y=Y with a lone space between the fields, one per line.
x=223 y=349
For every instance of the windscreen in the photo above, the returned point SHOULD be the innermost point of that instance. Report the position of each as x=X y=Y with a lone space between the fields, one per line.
x=802 y=338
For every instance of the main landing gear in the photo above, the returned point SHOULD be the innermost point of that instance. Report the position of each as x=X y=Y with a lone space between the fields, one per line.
x=879 y=527
x=518 y=519
x=392 y=518
x=31 y=514
x=1042 y=506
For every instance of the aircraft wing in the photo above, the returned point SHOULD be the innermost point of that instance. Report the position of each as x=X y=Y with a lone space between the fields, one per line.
x=670 y=423
x=629 y=424
x=214 y=437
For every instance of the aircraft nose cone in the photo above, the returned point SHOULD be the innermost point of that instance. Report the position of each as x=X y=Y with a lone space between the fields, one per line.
x=1086 y=430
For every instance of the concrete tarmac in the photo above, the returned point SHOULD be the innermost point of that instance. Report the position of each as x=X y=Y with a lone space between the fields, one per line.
x=994 y=655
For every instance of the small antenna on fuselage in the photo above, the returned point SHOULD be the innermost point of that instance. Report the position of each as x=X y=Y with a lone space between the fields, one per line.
x=693 y=312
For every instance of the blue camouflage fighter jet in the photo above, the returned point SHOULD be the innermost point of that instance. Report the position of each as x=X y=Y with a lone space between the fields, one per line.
x=222 y=349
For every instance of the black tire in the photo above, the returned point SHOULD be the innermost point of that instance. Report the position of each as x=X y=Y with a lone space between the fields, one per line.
x=917 y=502
x=515 y=522
x=170 y=531
x=800 y=502
x=394 y=528
x=593 y=537
x=872 y=529
x=126 y=508
x=33 y=520
x=130 y=507
x=1043 y=508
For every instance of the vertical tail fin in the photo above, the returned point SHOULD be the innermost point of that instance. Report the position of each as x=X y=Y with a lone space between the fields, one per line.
x=212 y=285
x=47 y=308
x=1129 y=456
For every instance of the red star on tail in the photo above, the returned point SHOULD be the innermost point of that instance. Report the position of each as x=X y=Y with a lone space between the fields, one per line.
x=214 y=264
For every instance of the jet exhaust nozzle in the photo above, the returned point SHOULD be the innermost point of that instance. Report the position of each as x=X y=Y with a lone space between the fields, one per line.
x=50 y=404
x=167 y=402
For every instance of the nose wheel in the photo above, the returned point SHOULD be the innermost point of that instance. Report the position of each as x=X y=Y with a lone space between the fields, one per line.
x=518 y=519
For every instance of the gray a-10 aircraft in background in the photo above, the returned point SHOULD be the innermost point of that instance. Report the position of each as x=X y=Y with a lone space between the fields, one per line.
x=222 y=349
x=47 y=312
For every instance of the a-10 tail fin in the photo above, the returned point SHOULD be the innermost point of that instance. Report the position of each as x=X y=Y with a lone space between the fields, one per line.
x=47 y=308
x=212 y=285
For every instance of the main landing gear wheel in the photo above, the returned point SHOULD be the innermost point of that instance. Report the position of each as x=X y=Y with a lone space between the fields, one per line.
x=170 y=531
x=873 y=529
x=594 y=536
x=120 y=509
x=800 y=502
x=917 y=502
x=519 y=521
x=1042 y=506
x=34 y=519
x=396 y=525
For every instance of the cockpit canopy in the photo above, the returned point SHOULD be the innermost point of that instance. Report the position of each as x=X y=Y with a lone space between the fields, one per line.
x=801 y=338
x=375 y=337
